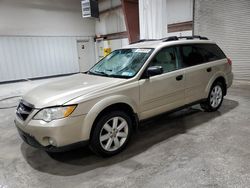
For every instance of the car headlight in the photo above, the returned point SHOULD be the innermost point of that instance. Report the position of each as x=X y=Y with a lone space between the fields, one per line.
x=52 y=113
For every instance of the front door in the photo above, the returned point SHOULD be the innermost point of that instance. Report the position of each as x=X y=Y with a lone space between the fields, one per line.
x=163 y=92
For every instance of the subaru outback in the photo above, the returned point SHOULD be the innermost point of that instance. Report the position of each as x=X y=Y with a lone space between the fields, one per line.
x=103 y=106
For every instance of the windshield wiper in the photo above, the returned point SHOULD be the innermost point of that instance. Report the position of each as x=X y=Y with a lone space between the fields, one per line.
x=99 y=73
x=102 y=73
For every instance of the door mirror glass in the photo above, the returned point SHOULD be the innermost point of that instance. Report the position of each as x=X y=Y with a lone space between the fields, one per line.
x=154 y=70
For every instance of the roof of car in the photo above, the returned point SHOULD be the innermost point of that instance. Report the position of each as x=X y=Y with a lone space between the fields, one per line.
x=153 y=43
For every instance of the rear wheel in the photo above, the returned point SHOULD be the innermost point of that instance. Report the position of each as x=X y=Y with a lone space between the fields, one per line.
x=215 y=98
x=111 y=133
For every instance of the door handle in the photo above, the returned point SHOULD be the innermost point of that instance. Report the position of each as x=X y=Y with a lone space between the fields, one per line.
x=209 y=69
x=180 y=77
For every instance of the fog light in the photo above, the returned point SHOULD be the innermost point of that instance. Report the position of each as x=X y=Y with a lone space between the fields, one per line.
x=52 y=142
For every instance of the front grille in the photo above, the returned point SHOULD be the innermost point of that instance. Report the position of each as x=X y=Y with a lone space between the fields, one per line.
x=24 y=109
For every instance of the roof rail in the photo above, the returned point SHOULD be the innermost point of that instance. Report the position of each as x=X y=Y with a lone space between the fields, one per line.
x=171 y=38
x=143 y=40
x=193 y=37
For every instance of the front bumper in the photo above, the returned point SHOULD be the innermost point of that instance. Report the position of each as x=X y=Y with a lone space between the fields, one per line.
x=34 y=143
x=65 y=133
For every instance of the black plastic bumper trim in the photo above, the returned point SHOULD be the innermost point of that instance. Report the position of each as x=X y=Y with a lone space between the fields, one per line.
x=30 y=140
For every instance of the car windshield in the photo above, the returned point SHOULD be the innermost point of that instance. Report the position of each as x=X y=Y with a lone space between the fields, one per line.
x=123 y=63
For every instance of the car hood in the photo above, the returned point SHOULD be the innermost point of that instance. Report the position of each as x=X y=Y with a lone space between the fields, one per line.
x=61 y=91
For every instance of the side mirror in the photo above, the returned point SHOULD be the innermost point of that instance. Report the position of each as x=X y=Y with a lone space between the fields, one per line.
x=153 y=71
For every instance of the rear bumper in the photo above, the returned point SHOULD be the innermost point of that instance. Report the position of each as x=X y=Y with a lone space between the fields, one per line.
x=30 y=140
x=230 y=77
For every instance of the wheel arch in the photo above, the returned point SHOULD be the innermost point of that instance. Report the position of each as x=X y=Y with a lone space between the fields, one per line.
x=106 y=105
x=222 y=80
x=219 y=77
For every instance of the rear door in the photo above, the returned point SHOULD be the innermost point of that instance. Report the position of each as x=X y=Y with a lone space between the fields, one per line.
x=201 y=62
x=163 y=92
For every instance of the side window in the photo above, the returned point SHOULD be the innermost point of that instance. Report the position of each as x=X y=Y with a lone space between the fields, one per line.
x=166 y=58
x=191 y=56
x=203 y=50
x=219 y=54
x=210 y=52
x=196 y=54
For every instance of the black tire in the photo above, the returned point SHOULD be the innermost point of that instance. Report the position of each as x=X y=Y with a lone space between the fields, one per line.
x=208 y=105
x=95 y=141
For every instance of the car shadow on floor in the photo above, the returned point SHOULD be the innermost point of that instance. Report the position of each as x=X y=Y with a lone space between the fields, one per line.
x=150 y=133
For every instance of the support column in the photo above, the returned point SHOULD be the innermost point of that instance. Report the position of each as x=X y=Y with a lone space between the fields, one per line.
x=131 y=14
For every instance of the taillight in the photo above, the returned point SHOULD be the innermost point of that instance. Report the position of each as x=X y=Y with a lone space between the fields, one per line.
x=229 y=61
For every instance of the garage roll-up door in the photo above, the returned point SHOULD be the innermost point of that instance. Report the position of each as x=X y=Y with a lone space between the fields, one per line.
x=227 y=22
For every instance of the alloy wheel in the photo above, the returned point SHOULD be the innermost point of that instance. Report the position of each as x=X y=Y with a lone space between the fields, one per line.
x=216 y=96
x=113 y=133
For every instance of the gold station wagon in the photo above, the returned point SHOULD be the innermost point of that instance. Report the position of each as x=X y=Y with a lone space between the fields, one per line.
x=104 y=105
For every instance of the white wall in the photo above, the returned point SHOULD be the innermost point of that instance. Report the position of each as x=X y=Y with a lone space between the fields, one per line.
x=228 y=24
x=153 y=19
x=44 y=18
x=113 y=44
x=31 y=57
x=156 y=15
x=180 y=33
x=39 y=38
x=112 y=21
x=106 y=4
x=179 y=11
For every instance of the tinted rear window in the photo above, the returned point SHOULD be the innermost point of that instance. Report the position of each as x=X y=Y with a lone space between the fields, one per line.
x=210 y=52
x=195 y=54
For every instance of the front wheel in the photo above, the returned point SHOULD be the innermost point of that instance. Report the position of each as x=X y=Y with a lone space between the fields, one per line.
x=214 y=99
x=111 y=133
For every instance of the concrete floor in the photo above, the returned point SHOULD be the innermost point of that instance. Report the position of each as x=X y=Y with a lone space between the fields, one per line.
x=189 y=148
